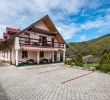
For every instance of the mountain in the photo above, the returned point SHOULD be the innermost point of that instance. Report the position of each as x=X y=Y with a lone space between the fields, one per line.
x=94 y=46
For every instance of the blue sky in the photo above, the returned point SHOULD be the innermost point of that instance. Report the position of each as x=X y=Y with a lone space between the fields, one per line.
x=76 y=20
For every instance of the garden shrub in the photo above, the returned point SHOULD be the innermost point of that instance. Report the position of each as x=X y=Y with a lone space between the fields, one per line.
x=79 y=60
x=68 y=62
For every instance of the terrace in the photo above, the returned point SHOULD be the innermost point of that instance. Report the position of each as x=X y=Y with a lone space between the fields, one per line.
x=24 y=41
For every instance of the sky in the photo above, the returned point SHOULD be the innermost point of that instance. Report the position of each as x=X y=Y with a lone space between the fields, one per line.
x=76 y=20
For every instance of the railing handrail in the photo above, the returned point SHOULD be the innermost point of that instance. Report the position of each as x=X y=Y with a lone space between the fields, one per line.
x=36 y=42
x=38 y=39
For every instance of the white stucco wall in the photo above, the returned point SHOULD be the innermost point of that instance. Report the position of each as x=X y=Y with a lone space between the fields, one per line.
x=5 y=55
x=48 y=55
x=31 y=55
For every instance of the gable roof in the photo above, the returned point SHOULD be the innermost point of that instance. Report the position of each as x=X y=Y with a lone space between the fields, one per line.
x=42 y=31
x=46 y=19
x=52 y=27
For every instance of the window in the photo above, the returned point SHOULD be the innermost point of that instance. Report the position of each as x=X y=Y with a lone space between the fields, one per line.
x=24 y=54
x=41 y=54
x=4 y=54
x=27 y=38
x=7 y=54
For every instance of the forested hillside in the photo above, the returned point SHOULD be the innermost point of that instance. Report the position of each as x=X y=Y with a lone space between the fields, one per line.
x=94 y=47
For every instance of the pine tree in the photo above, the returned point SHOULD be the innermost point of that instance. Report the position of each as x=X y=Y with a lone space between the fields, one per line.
x=104 y=63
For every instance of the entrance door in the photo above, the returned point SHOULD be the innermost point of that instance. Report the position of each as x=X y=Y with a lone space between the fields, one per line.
x=41 y=54
x=61 y=55
x=55 y=56
x=43 y=40
x=52 y=42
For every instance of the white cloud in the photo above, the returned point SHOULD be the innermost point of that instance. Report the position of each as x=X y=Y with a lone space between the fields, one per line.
x=73 y=5
x=68 y=31
x=71 y=30
x=94 y=4
x=16 y=12
x=19 y=13
x=2 y=26
x=99 y=22
x=83 y=38
x=2 y=29
x=11 y=8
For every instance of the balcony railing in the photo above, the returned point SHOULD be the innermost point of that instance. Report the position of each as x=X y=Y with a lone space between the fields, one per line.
x=38 y=43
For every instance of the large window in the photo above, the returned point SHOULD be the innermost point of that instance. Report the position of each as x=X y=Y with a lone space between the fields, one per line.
x=24 y=54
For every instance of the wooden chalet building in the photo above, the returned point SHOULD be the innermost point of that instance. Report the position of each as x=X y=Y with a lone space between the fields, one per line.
x=38 y=43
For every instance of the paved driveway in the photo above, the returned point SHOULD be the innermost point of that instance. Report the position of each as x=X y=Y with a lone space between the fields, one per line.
x=45 y=84
x=3 y=64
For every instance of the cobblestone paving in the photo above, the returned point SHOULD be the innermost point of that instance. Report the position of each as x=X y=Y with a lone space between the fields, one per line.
x=28 y=84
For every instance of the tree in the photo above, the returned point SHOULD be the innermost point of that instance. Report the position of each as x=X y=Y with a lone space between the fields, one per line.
x=104 y=63
x=79 y=60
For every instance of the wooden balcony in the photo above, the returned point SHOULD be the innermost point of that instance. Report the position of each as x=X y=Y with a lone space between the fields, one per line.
x=38 y=43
